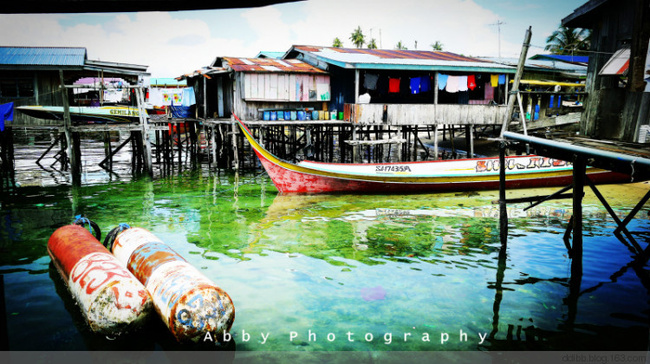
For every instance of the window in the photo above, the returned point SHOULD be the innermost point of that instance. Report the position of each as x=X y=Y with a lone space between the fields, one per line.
x=16 y=88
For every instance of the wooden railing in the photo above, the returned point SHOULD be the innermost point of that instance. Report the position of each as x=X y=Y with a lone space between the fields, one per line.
x=424 y=114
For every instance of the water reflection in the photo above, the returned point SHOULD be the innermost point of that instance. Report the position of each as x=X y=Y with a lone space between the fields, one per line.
x=364 y=264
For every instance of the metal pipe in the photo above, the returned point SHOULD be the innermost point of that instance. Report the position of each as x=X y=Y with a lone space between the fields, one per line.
x=576 y=149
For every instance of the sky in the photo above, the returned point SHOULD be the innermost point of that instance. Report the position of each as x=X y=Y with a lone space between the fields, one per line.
x=177 y=43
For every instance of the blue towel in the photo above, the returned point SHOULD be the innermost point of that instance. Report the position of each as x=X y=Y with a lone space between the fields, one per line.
x=415 y=85
x=425 y=84
x=502 y=79
x=6 y=113
x=188 y=97
x=442 y=81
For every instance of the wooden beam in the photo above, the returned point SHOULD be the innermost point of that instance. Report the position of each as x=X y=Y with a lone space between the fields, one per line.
x=515 y=84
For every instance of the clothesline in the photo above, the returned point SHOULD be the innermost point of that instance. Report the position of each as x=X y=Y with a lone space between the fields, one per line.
x=448 y=83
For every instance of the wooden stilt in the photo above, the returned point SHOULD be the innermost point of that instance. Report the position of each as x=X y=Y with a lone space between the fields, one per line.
x=74 y=158
x=579 y=170
x=503 y=212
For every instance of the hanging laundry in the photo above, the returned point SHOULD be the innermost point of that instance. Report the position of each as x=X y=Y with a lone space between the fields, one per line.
x=188 y=98
x=6 y=114
x=425 y=83
x=494 y=80
x=471 y=82
x=155 y=97
x=489 y=91
x=442 y=81
x=415 y=85
x=393 y=85
x=462 y=83
x=502 y=79
x=114 y=96
x=452 y=84
x=370 y=81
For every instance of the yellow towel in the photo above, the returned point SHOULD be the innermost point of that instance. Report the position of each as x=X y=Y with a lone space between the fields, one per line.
x=494 y=80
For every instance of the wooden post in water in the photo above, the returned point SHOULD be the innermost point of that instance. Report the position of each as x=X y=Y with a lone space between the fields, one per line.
x=235 y=149
x=503 y=211
x=579 y=170
x=74 y=158
x=144 y=123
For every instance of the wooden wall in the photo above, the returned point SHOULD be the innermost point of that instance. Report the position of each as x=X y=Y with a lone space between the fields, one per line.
x=254 y=91
x=616 y=108
x=424 y=114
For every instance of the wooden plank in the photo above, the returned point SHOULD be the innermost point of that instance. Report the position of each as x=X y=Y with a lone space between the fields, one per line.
x=268 y=93
x=292 y=88
x=248 y=87
x=283 y=90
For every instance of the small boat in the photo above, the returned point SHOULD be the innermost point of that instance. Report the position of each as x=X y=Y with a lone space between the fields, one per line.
x=418 y=177
x=85 y=114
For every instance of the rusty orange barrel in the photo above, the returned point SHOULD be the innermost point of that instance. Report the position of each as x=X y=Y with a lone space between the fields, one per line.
x=109 y=296
x=188 y=302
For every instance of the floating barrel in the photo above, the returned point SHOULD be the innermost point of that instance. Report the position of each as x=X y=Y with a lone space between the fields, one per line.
x=188 y=302
x=110 y=297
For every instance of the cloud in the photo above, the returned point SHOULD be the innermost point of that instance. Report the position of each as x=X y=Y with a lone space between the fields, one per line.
x=176 y=43
x=461 y=25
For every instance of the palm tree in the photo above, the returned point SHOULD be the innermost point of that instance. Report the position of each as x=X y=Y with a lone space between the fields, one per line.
x=437 y=46
x=357 y=37
x=565 y=40
x=400 y=46
x=372 y=44
x=337 y=43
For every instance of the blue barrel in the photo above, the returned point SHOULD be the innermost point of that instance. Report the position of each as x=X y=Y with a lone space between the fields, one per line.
x=267 y=115
x=274 y=116
x=287 y=115
x=314 y=115
x=301 y=115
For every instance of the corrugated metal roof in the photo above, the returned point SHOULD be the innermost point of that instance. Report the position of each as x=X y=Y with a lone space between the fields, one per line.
x=399 y=59
x=547 y=65
x=42 y=56
x=269 y=65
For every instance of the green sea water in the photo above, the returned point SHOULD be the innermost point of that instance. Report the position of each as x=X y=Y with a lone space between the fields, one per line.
x=366 y=275
x=343 y=272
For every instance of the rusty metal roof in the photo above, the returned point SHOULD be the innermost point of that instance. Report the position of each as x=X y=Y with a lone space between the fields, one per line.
x=268 y=65
x=355 y=58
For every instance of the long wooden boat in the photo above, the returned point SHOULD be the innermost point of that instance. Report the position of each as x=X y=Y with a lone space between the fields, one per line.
x=417 y=177
x=84 y=114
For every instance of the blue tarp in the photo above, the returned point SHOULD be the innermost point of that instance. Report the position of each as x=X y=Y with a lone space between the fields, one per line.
x=563 y=58
x=6 y=113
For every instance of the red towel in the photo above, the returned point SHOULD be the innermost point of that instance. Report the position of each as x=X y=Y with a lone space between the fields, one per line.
x=471 y=82
x=393 y=85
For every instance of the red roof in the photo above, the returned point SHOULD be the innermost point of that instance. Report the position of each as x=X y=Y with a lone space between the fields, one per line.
x=269 y=65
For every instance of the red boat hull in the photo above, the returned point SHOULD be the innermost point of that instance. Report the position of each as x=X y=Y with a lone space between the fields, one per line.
x=419 y=177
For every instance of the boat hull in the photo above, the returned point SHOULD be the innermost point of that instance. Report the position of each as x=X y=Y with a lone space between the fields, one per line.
x=85 y=114
x=420 y=177
x=289 y=181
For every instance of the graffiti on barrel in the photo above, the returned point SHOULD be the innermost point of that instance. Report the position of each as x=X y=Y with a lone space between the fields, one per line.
x=111 y=299
x=189 y=303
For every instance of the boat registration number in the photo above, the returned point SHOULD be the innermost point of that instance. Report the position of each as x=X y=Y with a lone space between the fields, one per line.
x=392 y=169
